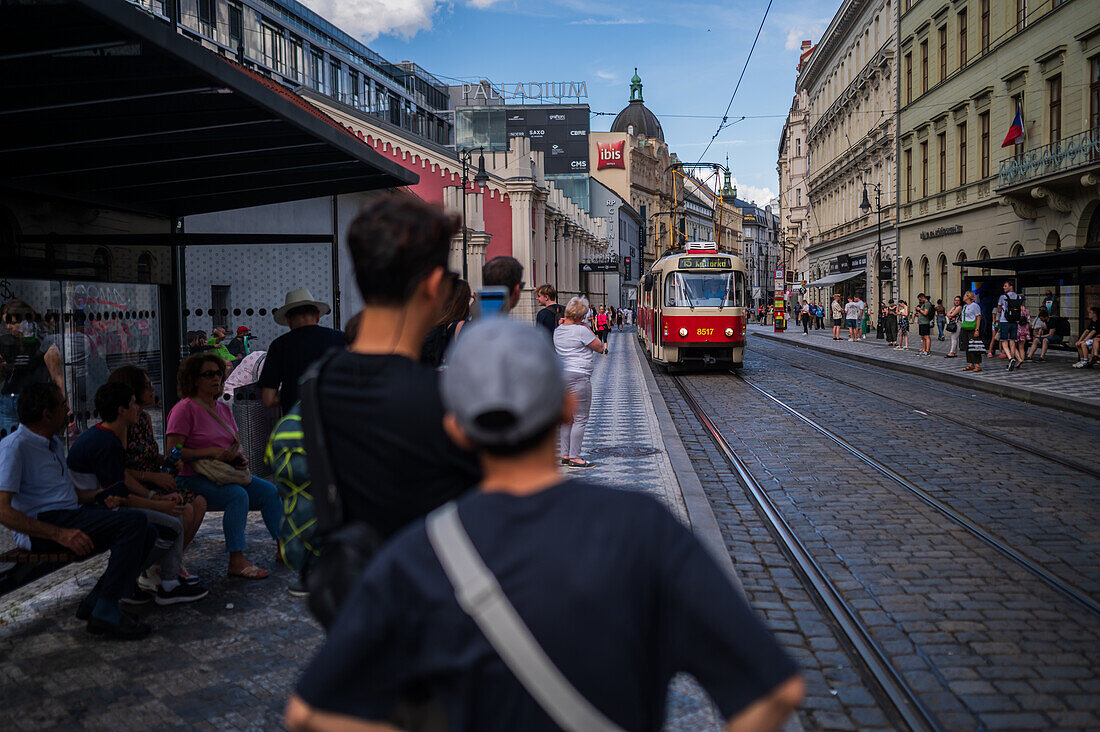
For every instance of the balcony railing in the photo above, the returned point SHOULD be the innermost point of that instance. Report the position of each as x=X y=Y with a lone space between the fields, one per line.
x=1063 y=155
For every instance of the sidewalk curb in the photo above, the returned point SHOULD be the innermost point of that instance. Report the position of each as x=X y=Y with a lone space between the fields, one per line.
x=703 y=522
x=1030 y=396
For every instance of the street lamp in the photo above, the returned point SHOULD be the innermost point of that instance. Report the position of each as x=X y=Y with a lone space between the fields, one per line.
x=865 y=207
x=480 y=179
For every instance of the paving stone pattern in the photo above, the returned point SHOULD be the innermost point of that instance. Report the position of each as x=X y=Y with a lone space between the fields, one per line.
x=229 y=661
x=1047 y=510
x=984 y=643
x=1054 y=376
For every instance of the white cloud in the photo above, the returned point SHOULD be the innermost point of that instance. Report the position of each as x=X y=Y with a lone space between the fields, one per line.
x=806 y=32
x=481 y=4
x=368 y=19
x=759 y=196
x=614 y=21
x=605 y=75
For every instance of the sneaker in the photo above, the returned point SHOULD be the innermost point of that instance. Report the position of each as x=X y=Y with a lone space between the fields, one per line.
x=187 y=578
x=140 y=597
x=297 y=588
x=149 y=580
x=128 y=628
x=1012 y=364
x=182 y=593
x=1080 y=364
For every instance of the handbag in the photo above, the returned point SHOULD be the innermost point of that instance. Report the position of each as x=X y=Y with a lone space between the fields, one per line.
x=976 y=346
x=220 y=472
x=951 y=327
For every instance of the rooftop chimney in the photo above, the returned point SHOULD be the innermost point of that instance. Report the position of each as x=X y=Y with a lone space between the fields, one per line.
x=806 y=44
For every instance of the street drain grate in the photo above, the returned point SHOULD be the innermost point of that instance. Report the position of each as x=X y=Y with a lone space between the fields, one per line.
x=625 y=451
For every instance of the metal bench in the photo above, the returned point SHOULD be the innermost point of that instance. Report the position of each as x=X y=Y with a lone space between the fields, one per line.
x=19 y=566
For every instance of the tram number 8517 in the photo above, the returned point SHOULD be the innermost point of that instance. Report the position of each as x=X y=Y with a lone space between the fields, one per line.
x=704 y=331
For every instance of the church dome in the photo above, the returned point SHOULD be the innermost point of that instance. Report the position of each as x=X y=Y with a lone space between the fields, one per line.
x=636 y=119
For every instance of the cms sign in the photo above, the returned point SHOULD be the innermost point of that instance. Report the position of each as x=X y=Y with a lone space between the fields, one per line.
x=610 y=155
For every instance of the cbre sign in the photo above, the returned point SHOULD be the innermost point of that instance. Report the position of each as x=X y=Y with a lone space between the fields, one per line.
x=610 y=155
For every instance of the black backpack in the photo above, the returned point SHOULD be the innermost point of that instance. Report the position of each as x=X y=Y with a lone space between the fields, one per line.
x=1013 y=303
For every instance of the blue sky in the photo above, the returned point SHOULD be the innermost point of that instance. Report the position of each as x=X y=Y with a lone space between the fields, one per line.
x=689 y=55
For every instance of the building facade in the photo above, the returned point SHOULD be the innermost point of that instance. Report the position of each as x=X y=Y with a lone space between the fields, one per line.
x=849 y=82
x=760 y=248
x=967 y=69
x=289 y=43
x=633 y=160
x=624 y=244
x=793 y=201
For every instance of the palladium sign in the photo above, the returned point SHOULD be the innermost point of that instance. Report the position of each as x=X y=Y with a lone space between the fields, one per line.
x=487 y=92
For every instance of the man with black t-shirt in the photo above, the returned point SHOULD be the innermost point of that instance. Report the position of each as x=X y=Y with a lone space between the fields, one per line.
x=380 y=406
x=291 y=354
x=612 y=590
x=551 y=313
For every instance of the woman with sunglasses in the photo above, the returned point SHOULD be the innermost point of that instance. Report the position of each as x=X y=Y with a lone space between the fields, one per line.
x=203 y=425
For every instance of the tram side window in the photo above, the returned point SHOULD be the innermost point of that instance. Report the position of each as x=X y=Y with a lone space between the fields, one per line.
x=740 y=288
x=700 y=289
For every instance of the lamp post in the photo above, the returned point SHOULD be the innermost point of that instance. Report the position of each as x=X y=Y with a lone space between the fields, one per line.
x=865 y=207
x=480 y=179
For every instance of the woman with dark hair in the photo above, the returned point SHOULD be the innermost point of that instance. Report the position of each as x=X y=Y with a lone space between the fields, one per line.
x=203 y=426
x=144 y=461
x=453 y=315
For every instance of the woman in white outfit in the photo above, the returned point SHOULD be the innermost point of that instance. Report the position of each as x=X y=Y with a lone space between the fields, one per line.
x=577 y=346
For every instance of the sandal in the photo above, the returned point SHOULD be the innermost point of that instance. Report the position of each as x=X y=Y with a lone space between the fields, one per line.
x=251 y=572
x=581 y=464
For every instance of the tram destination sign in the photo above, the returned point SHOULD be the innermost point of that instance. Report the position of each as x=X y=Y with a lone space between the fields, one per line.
x=705 y=263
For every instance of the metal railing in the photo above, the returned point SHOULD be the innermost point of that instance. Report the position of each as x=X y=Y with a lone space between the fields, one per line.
x=1065 y=154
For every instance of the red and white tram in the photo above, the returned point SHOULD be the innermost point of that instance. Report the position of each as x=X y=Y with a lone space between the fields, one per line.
x=691 y=308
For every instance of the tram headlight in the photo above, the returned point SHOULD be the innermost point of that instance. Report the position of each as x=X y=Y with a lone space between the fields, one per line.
x=683 y=332
x=729 y=332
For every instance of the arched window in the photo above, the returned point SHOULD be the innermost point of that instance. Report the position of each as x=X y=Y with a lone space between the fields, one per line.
x=1093 y=235
x=1054 y=242
x=1017 y=250
x=943 y=276
x=908 y=280
x=101 y=263
x=960 y=257
x=145 y=267
x=984 y=254
x=925 y=275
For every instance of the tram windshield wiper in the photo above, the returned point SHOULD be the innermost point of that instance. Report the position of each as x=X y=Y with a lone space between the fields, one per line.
x=687 y=291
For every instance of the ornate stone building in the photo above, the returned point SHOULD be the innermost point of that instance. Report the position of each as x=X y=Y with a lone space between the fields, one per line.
x=966 y=68
x=849 y=82
x=642 y=174
x=793 y=200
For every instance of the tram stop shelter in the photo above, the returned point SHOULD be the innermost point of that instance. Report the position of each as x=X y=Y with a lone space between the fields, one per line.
x=1073 y=275
x=115 y=126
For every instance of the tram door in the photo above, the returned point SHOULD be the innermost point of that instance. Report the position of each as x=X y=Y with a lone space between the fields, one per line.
x=657 y=303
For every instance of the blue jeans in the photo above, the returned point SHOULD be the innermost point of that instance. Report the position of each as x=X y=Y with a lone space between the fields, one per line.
x=235 y=501
x=9 y=414
x=941 y=321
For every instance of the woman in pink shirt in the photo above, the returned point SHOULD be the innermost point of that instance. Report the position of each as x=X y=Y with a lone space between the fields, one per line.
x=203 y=425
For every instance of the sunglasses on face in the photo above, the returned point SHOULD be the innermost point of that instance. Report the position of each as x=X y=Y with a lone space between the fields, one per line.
x=210 y=374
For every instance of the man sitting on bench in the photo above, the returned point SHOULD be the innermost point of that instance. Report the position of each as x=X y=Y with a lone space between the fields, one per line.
x=39 y=502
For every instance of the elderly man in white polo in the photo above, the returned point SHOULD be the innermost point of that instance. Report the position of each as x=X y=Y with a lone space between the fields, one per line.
x=291 y=353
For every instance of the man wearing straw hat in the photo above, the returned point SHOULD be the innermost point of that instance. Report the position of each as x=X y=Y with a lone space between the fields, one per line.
x=291 y=353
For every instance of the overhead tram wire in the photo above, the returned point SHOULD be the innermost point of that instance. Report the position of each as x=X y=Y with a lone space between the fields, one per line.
x=722 y=125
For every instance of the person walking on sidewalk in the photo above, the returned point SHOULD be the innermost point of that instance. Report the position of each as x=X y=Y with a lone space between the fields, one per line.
x=925 y=314
x=836 y=310
x=903 y=326
x=890 y=323
x=603 y=324
x=969 y=332
x=576 y=346
x=952 y=327
x=851 y=318
x=941 y=318
x=806 y=315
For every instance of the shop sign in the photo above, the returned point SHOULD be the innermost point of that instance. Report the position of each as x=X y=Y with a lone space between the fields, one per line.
x=885 y=270
x=942 y=231
x=523 y=91
x=847 y=263
x=599 y=267
x=610 y=155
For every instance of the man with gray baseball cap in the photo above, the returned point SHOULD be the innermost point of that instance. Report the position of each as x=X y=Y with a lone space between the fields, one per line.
x=616 y=594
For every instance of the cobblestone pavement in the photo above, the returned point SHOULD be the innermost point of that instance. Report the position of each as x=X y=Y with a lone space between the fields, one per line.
x=984 y=644
x=1053 y=378
x=229 y=661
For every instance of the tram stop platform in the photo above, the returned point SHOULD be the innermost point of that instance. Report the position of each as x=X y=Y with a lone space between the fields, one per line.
x=230 y=660
x=1051 y=383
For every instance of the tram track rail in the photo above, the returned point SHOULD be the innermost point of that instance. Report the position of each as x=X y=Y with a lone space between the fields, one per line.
x=931 y=386
x=893 y=689
x=1015 y=444
x=1064 y=588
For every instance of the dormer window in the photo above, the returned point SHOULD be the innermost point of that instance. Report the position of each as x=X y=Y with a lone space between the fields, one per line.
x=630 y=129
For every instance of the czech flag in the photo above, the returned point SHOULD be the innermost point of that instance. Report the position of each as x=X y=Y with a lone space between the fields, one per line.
x=1016 y=129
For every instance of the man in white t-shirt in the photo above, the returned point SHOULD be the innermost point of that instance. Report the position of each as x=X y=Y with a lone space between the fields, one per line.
x=859 y=321
x=851 y=317
x=1007 y=322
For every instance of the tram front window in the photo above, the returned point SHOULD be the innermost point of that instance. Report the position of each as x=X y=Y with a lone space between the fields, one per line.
x=700 y=289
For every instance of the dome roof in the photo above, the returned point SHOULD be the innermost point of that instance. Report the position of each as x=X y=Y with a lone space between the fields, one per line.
x=636 y=119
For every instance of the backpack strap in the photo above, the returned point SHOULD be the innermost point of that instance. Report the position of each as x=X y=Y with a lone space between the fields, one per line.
x=481 y=597
x=326 y=501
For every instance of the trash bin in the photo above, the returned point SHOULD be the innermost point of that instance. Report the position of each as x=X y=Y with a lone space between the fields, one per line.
x=255 y=422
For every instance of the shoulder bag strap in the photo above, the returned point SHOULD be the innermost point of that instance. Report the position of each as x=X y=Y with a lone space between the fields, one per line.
x=214 y=413
x=326 y=501
x=482 y=598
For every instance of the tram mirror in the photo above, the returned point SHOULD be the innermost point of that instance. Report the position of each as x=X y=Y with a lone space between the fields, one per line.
x=649 y=282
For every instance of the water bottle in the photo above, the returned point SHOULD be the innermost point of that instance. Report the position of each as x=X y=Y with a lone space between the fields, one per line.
x=173 y=457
